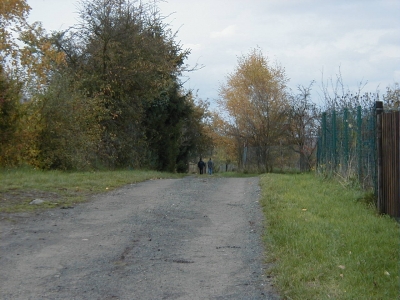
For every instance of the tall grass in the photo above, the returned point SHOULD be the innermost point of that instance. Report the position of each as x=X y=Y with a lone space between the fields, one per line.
x=19 y=186
x=326 y=243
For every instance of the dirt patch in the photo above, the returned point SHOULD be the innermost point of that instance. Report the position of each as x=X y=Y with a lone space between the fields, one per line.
x=17 y=197
x=191 y=238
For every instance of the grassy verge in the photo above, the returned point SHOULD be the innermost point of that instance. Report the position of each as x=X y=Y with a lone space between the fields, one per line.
x=19 y=187
x=235 y=174
x=326 y=243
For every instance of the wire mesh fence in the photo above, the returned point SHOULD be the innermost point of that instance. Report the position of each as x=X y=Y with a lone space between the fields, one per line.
x=347 y=145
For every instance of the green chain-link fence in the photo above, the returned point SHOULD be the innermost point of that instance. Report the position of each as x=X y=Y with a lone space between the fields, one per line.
x=346 y=145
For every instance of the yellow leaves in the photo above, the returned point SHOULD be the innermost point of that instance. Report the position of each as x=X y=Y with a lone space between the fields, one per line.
x=13 y=14
x=36 y=57
x=10 y=10
x=254 y=97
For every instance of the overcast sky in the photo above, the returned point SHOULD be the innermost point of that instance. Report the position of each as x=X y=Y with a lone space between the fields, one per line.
x=307 y=37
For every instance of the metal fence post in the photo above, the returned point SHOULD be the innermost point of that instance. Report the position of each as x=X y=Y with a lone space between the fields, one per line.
x=324 y=152
x=359 y=141
x=334 y=140
x=345 y=139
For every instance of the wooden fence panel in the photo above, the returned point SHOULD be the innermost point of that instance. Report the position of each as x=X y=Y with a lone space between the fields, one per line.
x=389 y=193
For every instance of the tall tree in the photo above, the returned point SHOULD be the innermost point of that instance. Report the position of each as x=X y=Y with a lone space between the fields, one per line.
x=26 y=51
x=26 y=60
x=13 y=15
x=100 y=91
x=10 y=113
x=69 y=131
x=123 y=53
x=164 y=121
x=303 y=126
x=255 y=99
x=195 y=139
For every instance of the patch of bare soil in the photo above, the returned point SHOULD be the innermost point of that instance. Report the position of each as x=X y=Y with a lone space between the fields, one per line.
x=191 y=238
x=17 y=197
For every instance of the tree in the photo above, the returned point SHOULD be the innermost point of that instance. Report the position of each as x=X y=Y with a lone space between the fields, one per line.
x=164 y=122
x=13 y=15
x=26 y=51
x=68 y=129
x=336 y=96
x=255 y=99
x=123 y=53
x=195 y=139
x=224 y=145
x=99 y=92
x=10 y=113
x=392 y=96
x=27 y=59
x=303 y=126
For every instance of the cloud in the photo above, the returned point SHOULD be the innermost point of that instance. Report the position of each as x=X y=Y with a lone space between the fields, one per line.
x=226 y=32
x=308 y=37
x=194 y=47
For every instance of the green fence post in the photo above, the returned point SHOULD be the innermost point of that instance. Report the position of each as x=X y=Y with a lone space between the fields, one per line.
x=334 y=139
x=345 y=139
x=324 y=151
x=359 y=141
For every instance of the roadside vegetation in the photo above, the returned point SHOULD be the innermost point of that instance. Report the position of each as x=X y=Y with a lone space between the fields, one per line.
x=103 y=94
x=19 y=187
x=325 y=241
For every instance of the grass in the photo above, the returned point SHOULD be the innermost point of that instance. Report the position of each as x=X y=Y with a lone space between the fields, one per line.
x=18 y=187
x=235 y=174
x=325 y=242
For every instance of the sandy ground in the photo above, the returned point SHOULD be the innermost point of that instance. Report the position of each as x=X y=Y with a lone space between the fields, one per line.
x=190 y=238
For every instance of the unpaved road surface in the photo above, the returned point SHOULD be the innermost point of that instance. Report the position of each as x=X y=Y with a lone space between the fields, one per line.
x=190 y=238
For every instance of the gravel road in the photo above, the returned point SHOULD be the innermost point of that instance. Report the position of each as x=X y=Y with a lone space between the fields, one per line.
x=191 y=238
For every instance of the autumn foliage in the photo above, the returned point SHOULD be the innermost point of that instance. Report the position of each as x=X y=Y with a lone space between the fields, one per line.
x=104 y=94
x=255 y=100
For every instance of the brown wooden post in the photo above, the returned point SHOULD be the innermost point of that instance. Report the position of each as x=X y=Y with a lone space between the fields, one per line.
x=396 y=203
x=378 y=111
x=396 y=196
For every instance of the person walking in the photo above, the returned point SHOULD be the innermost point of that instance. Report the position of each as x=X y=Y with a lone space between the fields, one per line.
x=210 y=166
x=201 y=164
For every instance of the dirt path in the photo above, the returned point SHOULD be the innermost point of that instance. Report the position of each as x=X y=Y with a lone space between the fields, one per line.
x=191 y=238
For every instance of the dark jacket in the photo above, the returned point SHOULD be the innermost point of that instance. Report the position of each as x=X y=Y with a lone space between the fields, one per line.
x=201 y=164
